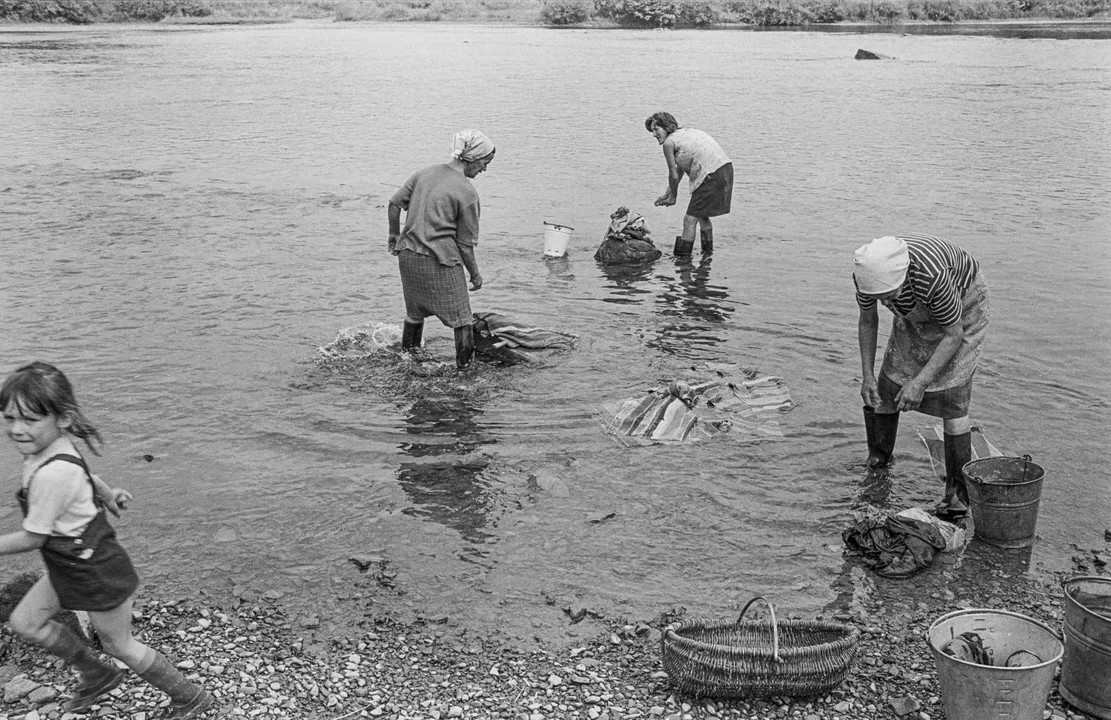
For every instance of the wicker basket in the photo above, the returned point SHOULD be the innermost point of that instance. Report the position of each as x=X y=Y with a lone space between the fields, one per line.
x=721 y=658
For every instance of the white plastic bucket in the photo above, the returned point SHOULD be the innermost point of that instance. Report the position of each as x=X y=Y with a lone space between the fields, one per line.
x=556 y=239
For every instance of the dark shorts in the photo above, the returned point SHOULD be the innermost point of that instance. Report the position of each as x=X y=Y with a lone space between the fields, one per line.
x=715 y=195
x=947 y=404
x=432 y=289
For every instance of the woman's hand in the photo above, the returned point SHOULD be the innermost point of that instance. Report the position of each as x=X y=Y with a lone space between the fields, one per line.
x=869 y=392
x=667 y=199
x=910 y=397
x=392 y=243
x=476 y=281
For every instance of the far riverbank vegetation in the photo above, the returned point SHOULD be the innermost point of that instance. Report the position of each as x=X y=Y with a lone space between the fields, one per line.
x=581 y=13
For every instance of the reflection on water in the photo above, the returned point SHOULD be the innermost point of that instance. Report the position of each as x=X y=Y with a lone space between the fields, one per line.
x=624 y=282
x=1015 y=30
x=690 y=296
x=448 y=490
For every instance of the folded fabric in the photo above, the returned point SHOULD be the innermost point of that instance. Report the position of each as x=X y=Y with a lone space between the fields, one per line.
x=743 y=406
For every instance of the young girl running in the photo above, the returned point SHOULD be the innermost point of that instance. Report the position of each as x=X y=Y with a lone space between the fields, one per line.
x=64 y=518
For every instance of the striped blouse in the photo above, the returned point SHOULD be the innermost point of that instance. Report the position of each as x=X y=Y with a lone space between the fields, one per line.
x=938 y=275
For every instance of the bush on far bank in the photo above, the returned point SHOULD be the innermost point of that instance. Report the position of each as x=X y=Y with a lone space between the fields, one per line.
x=91 y=11
x=696 y=13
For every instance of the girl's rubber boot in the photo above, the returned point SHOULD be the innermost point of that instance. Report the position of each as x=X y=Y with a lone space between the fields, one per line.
x=411 y=335
x=708 y=242
x=464 y=346
x=958 y=453
x=186 y=699
x=682 y=247
x=881 y=429
x=97 y=676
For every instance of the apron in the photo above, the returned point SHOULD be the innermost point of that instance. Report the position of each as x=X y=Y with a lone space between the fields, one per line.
x=916 y=335
x=90 y=571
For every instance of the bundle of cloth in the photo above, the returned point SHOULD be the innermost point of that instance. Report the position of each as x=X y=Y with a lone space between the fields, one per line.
x=898 y=545
x=626 y=240
x=500 y=338
x=738 y=402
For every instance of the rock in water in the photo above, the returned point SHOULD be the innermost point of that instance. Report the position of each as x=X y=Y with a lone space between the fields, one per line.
x=869 y=55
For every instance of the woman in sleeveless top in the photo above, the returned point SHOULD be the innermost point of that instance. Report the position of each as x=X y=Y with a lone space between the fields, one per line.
x=695 y=154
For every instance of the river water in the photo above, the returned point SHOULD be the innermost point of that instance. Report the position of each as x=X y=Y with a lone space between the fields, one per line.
x=188 y=214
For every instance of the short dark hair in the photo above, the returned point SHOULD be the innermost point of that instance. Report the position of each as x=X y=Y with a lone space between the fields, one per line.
x=661 y=119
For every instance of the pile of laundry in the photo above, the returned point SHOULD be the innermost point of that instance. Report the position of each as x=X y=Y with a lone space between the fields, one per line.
x=626 y=240
x=497 y=337
x=898 y=545
x=727 y=400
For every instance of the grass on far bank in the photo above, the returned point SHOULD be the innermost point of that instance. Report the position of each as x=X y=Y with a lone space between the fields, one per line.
x=620 y=13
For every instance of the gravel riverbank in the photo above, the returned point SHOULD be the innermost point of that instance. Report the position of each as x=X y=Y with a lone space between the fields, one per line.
x=260 y=663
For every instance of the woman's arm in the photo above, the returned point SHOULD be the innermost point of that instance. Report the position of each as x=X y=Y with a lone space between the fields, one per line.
x=469 y=262
x=393 y=214
x=867 y=329
x=20 y=541
x=674 y=174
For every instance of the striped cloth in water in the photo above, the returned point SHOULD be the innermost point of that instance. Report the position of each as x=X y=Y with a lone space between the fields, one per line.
x=742 y=407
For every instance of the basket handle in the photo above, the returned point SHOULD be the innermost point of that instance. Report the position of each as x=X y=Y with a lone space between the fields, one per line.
x=775 y=626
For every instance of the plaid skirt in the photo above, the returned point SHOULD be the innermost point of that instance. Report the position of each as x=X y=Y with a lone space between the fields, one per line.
x=914 y=339
x=715 y=195
x=432 y=289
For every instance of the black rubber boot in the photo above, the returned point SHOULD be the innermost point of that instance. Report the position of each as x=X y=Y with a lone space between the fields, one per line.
x=464 y=346
x=682 y=247
x=708 y=242
x=97 y=676
x=881 y=429
x=958 y=453
x=411 y=335
x=186 y=699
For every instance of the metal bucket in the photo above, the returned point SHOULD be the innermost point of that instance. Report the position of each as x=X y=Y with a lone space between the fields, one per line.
x=1086 y=669
x=1004 y=493
x=981 y=692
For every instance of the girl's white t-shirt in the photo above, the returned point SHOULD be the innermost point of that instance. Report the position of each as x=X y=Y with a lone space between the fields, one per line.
x=60 y=501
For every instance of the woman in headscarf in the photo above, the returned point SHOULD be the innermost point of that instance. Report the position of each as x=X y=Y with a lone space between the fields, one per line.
x=939 y=301
x=695 y=154
x=441 y=230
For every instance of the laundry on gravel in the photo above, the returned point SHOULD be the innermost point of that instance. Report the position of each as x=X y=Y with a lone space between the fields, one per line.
x=726 y=400
x=898 y=545
x=626 y=240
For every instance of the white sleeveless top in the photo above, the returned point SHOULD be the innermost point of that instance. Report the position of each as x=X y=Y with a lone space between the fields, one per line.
x=697 y=154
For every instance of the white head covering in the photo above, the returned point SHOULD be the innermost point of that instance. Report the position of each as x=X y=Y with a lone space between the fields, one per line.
x=470 y=145
x=881 y=265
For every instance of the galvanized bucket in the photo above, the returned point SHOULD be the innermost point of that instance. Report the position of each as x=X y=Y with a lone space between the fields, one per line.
x=1086 y=669
x=1004 y=493
x=970 y=691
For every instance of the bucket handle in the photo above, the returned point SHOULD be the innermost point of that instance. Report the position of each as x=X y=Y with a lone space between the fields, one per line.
x=775 y=626
x=1026 y=460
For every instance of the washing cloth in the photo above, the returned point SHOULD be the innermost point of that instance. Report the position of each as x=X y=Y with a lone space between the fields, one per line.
x=514 y=335
x=894 y=546
x=626 y=240
x=735 y=401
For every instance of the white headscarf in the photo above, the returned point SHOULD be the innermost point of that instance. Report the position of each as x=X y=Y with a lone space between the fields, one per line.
x=881 y=265
x=470 y=145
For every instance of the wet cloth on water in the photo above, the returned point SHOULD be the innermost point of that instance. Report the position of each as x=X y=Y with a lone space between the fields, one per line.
x=519 y=335
x=892 y=545
x=434 y=290
x=627 y=240
x=727 y=400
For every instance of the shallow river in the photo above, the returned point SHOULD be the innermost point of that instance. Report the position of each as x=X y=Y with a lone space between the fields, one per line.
x=188 y=214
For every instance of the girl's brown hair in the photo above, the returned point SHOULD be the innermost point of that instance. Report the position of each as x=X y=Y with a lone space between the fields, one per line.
x=39 y=388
